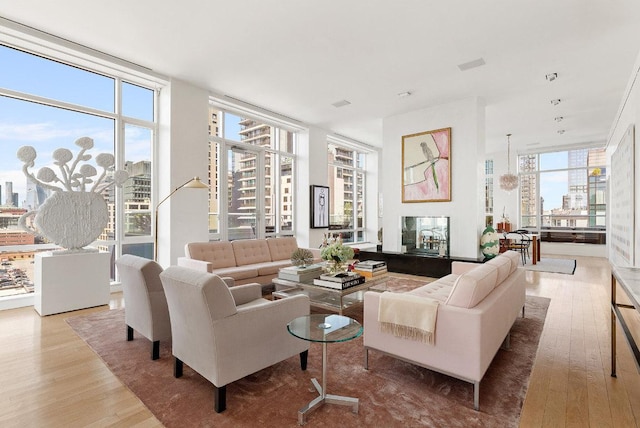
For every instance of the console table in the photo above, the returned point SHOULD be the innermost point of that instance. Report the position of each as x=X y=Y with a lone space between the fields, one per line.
x=629 y=281
x=416 y=263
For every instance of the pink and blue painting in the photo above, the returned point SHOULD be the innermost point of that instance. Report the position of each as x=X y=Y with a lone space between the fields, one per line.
x=426 y=166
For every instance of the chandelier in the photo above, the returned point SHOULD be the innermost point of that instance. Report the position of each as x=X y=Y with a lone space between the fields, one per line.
x=508 y=181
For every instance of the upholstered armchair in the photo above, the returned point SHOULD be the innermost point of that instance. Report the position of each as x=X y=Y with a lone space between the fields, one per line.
x=145 y=304
x=225 y=334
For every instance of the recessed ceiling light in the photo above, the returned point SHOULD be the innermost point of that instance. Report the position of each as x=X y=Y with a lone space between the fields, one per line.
x=558 y=118
x=551 y=77
x=556 y=101
x=471 y=64
x=341 y=103
x=404 y=94
x=560 y=131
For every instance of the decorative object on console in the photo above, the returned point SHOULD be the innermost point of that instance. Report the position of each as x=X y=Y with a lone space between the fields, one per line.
x=508 y=181
x=301 y=257
x=193 y=183
x=426 y=166
x=75 y=214
x=490 y=242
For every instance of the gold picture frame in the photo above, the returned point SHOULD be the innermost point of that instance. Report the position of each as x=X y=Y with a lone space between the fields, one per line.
x=426 y=166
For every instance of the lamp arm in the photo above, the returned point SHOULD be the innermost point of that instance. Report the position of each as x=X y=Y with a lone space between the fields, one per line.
x=171 y=194
x=155 y=234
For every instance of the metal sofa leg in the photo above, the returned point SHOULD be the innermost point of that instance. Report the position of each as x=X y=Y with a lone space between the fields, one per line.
x=177 y=367
x=366 y=358
x=303 y=359
x=155 y=350
x=129 y=334
x=220 y=398
x=476 y=395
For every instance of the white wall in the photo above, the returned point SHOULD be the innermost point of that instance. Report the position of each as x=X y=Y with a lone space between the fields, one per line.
x=466 y=209
x=182 y=154
x=628 y=114
x=311 y=168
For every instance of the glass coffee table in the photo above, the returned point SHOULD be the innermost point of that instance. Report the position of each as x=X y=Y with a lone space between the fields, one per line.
x=328 y=298
x=325 y=328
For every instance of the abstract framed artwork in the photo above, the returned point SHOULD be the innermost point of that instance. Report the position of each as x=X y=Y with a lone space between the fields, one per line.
x=319 y=207
x=426 y=166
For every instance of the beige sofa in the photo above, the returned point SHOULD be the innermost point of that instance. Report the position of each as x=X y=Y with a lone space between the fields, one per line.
x=478 y=304
x=246 y=260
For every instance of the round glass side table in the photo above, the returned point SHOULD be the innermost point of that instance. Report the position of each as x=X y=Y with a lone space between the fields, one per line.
x=325 y=328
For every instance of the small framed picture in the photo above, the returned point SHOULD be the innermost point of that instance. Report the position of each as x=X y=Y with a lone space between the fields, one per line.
x=319 y=207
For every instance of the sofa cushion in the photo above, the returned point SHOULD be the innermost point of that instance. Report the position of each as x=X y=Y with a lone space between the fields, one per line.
x=282 y=248
x=472 y=287
x=218 y=253
x=238 y=273
x=504 y=267
x=437 y=290
x=271 y=268
x=250 y=251
x=515 y=258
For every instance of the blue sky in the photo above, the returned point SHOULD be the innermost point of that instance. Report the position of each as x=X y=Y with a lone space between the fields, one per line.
x=48 y=128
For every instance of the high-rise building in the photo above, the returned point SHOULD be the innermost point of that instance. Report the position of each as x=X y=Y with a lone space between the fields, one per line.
x=9 y=193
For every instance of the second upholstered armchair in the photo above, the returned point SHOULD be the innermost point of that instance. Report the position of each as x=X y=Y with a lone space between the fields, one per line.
x=225 y=334
x=145 y=304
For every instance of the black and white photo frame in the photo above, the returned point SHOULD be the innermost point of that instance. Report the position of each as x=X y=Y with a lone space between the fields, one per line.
x=319 y=207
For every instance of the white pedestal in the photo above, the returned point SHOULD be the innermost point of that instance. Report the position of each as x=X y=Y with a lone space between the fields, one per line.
x=68 y=282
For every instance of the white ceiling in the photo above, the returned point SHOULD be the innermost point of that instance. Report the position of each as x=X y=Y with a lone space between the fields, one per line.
x=298 y=57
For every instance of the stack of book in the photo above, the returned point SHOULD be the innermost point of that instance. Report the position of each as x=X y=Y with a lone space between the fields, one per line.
x=371 y=268
x=339 y=281
x=300 y=274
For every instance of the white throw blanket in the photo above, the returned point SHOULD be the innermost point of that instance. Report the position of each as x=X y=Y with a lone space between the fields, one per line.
x=408 y=316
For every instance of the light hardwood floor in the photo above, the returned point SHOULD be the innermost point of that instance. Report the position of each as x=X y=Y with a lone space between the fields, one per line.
x=50 y=378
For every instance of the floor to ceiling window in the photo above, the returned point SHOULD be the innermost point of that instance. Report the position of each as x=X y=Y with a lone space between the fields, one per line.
x=346 y=192
x=48 y=104
x=251 y=179
x=563 y=195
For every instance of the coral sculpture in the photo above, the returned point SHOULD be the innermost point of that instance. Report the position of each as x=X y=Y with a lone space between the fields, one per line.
x=75 y=214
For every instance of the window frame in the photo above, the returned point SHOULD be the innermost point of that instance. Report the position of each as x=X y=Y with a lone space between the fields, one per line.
x=360 y=159
x=222 y=144
x=63 y=52
x=555 y=231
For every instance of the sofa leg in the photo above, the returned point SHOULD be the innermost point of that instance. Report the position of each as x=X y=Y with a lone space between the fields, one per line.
x=522 y=311
x=129 y=334
x=366 y=358
x=506 y=343
x=155 y=350
x=177 y=367
x=220 y=398
x=303 y=359
x=476 y=395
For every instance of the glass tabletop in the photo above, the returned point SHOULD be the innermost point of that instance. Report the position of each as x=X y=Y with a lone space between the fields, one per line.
x=325 y=328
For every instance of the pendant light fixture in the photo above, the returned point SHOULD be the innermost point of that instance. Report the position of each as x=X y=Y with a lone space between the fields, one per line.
x=508 y=181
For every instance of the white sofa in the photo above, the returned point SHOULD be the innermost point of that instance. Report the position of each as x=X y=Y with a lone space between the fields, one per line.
x=245 y=260
x=478 y=304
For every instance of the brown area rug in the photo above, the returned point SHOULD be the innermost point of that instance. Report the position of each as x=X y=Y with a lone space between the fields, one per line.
x=391 y=392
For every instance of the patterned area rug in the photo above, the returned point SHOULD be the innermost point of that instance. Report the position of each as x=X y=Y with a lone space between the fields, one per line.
x=391 y=393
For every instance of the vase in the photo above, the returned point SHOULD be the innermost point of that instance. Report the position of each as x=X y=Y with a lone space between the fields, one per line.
x=71 y=219
x=489 y=243
x=335 y=267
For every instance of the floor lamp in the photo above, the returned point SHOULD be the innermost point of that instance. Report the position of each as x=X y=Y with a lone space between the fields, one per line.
x=193 y=183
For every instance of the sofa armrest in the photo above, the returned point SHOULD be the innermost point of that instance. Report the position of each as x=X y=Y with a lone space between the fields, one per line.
x=229 y=281
x=460 y=268
x=195 y=264
x=246 y=293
